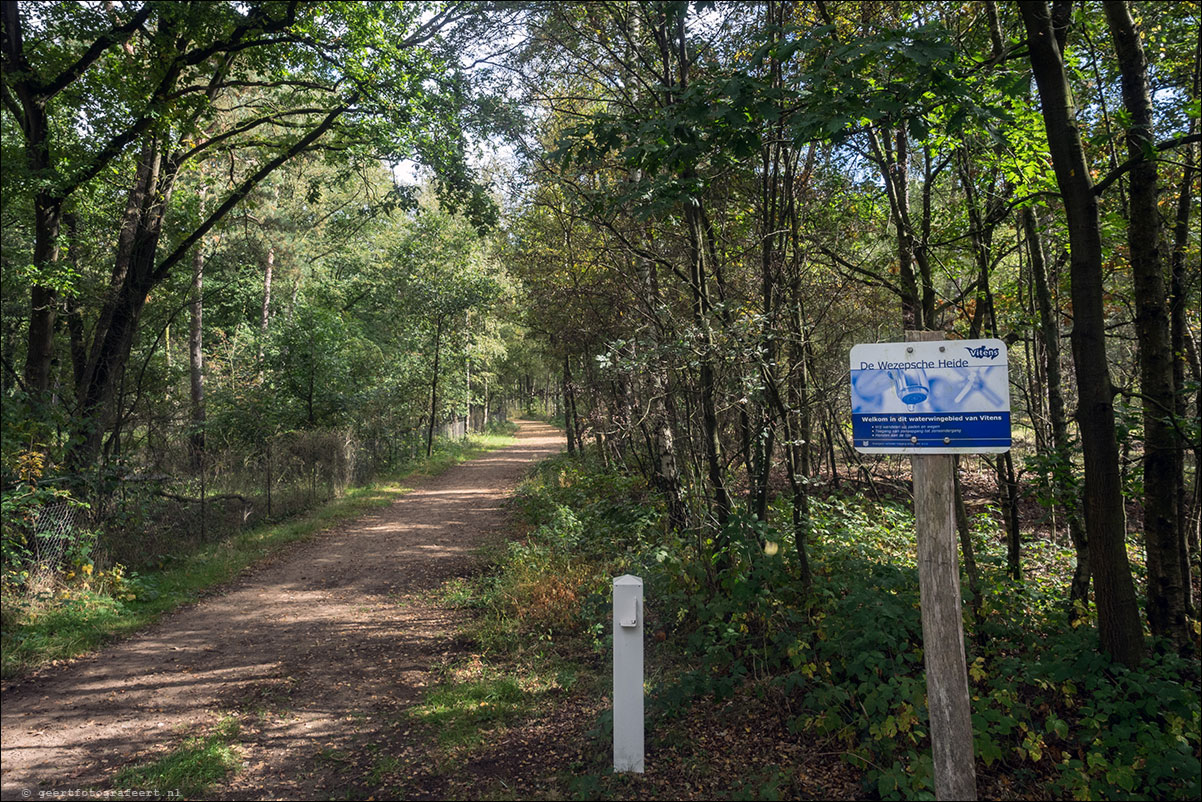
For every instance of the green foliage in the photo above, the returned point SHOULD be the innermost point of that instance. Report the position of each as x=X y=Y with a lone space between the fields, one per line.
x=1057 y=481
x=554 y=583
x=838 y=86
x=460 y=712
x=318 y=362
x=23 y=544
x=287 y=151
x=1047 y=706
x=1099 y=730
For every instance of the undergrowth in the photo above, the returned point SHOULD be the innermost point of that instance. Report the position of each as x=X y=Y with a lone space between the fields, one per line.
x=1052 y=717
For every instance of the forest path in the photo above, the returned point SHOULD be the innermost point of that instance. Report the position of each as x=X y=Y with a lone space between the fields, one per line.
x=317 y=653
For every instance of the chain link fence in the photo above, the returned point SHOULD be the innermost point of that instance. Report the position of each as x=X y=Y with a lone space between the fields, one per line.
x=187 y=501
x=60 y=529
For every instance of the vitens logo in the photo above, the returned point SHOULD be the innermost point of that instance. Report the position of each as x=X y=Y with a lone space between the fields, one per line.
x=982 y=352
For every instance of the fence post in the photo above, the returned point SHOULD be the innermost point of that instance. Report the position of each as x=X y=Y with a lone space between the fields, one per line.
x=628 y=674
x=268 y=472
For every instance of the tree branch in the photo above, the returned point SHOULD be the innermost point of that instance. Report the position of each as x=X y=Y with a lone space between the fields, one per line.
x=104 y=42
x=222 y=497
x=244 y=127
x=839 y=260
x=188 y=90
x=12 y=105
x=244 y=189
x=162 y=92
x=1134 y=161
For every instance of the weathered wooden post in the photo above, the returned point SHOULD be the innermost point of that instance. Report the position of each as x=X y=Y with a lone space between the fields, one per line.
x=942 y=625
x=628 y=674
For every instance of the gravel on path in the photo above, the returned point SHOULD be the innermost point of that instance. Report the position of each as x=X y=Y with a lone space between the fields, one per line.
x=318 y=652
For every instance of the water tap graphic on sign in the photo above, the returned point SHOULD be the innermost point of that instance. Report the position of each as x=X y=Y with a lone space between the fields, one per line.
x=924 y=390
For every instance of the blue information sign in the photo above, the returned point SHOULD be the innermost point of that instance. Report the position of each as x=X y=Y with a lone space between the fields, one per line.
x=931 y=397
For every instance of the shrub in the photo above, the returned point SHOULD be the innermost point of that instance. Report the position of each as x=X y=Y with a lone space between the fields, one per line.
x=1049 y=712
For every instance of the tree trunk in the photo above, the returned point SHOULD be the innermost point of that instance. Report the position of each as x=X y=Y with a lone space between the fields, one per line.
x=75 y=326
x=196 y=357
x=434 y=389
x=673 y=41
x=667 y=471
x=1119 y=627
x=1063 y=489
x=798 y=466
x=892 y=158
x=467 y=380
x=43 y=299
x=711 y=441
x=568 y=418
x=133 y=278
x=576 y=427
x=43 y=304
x=966 y=549
x=1009 y=493
x=983 y=220
x=1166 y=596
x=47 y=206
x=1178 y=335
x=268 y=268
x=922 y=256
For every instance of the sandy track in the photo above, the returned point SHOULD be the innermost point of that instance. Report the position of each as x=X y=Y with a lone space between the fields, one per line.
x=318 y=653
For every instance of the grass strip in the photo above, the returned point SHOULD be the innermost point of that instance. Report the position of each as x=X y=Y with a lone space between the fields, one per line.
x=79 y=618
x=462 y=713
x=190 y=770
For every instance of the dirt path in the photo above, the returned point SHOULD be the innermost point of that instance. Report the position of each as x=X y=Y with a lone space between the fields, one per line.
x=318 y=653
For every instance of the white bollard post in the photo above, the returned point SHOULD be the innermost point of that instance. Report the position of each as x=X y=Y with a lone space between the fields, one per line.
x=628 y=674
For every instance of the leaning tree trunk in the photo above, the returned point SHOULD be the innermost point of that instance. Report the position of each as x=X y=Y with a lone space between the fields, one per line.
x=134 y=275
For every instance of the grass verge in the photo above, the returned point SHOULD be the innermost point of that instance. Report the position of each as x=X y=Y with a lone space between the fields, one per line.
x=464 y=711
x=190 y=770
x=88 y=610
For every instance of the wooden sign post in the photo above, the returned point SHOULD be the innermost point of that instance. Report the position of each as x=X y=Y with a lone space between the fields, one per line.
x=942 y=626
x=931 y=399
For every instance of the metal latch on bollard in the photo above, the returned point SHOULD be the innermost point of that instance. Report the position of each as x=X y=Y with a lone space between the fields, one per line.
x=633 y=619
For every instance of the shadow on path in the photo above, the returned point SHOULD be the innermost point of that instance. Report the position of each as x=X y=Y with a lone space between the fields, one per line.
x=318 y=652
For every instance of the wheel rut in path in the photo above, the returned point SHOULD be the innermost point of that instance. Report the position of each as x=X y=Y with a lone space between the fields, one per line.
x=318 y=653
